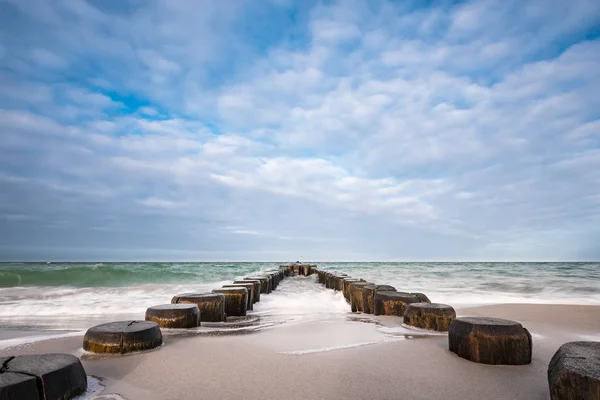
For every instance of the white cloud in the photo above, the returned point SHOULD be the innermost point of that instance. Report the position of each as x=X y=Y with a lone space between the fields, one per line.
x=454 y=128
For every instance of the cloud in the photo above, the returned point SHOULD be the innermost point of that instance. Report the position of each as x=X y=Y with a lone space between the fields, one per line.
x=381 y=129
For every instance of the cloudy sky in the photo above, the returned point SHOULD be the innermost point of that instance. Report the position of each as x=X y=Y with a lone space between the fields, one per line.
x=275 y=130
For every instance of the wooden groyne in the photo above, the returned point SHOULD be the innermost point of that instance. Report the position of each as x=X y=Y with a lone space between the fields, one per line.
x=573 y=373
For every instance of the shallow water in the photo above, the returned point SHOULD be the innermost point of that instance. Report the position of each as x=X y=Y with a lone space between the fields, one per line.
x=73 y=296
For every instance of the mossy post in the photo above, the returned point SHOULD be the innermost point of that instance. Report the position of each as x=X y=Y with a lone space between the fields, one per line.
x=346 y=286
x=392 y=303
x=321 y=277
x=305 y=269
x=329 y=283
x=236 y=300
x=282 y=275
x=431 y=316
x=257 y=287
x=250 y=287
x=274 y=279
x=368 y=293
x=296 y=268
x=286 y=269
x=265 y=287
x=122 y=337
x=211 y=305
x=356 y=297
x=338 y=281
x=490 y=341
x=174 y=315
x=574 y=372
x=271 y=281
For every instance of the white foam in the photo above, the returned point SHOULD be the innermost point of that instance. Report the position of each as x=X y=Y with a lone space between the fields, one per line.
x=94 y=387
x=7 y=343
x=67 y=302
x=302 y=298
x=333 y=348
x=591 y=338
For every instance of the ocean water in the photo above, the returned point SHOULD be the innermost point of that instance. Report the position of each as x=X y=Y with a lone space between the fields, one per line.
x=74 y=296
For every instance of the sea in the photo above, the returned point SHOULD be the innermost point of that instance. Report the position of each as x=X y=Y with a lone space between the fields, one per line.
x=40 y=297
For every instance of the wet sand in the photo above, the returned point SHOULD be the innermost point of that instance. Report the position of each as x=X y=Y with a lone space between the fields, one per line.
x=337 y=359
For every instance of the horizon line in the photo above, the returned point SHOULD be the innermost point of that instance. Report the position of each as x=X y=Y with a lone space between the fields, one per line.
x=308 y=261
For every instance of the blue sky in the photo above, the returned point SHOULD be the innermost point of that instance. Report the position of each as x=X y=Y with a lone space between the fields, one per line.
x=275 y=130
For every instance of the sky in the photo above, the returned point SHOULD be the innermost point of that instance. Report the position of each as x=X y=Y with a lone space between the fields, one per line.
x=299 y=130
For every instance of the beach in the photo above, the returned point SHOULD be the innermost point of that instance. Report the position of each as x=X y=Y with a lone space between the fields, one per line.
x=323 y=351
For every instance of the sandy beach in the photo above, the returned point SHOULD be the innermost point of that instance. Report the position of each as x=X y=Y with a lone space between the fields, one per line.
x=356 y=357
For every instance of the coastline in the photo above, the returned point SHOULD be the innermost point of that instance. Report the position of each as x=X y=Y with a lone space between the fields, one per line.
x=341 y=358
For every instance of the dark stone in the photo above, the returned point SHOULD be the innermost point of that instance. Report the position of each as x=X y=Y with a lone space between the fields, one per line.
x=174 y=315
x=432 y=316
x=236 y=300
x=392 y=303
x=490 y=341
x=356 y=297
x=15 y=386
x=57 y=376
x=122 y=337
x=250 y=287
x=368 y=293
x=257 y=286
x=574 y=372
x=211 y=305
x=264 y=283
x=422 y=298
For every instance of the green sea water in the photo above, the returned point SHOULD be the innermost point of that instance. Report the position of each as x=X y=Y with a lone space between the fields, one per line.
x=69 y=295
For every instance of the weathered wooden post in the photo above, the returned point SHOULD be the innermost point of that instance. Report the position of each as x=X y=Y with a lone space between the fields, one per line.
x=41 y=376
x=490 y=340
x=174 y=315
x=257 y=288
x=122 y=337
x=574 y=372
x=265 y=284
x=356 y=296
x=392 y=303
x=368 y=294
x=432 y=316
x=211 y=305
x=250 y=287
x=236 y=300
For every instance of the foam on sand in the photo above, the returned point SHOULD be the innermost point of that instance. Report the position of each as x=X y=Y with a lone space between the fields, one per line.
x=333 y=348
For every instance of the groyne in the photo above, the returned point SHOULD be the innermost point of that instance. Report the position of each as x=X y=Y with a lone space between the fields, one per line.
x=481 y=340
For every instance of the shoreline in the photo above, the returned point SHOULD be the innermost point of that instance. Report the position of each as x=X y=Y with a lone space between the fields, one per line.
x=12 y=334
x=342 y=358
